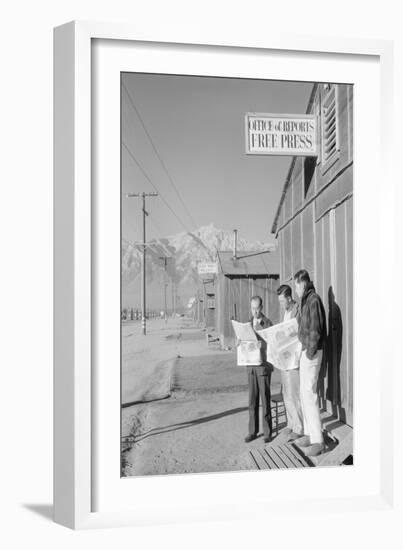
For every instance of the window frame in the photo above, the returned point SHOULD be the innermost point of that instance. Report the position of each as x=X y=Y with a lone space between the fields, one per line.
x=327 y=163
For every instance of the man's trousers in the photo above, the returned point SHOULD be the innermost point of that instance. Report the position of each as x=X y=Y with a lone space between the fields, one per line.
x=259 y=379
x=309 y=373
x=292 y=400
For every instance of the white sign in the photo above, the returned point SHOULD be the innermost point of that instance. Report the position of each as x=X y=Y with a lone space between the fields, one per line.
x=206 y=268
x=272 y=134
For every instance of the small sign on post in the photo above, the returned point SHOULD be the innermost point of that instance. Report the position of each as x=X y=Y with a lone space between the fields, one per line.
x=206 y=268
x=276 y=134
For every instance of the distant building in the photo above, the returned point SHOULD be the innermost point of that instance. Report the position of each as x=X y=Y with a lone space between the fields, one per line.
x=209 y=307
x=251 y=273
x=314 y=228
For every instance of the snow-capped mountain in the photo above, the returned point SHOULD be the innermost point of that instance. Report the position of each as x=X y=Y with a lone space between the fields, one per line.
x=183 y=252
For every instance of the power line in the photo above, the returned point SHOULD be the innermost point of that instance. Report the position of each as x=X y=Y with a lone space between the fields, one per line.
x=154 y=186
x=155 y=224
x=153 y=243
x=254 y=254
x=156 y=227
x=157 y=153
x=164 y=200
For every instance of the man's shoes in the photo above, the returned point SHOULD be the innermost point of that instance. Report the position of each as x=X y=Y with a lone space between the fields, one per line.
x=250 y=438
x=267 y=438
x=304 y=441
x=293 y=436
x=314 y=450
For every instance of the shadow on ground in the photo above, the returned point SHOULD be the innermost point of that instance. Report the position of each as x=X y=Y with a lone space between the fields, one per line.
x=189 y=423
x=43 y=510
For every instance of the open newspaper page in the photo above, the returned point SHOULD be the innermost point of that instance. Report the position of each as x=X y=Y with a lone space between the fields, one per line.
x=248 y=351
x=283 y=345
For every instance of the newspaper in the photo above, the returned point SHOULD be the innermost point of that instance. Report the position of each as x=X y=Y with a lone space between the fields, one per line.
x=248 y=350
x=283 y=345
x=244 y=331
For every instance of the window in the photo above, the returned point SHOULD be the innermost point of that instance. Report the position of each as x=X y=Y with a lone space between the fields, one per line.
x=330 y=145
x=309 y=170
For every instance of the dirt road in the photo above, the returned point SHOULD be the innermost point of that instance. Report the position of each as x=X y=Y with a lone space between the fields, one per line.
x=202 y=425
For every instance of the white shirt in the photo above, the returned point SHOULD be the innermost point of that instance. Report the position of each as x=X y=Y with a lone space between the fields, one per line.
x=256 y=322
x=287 y=314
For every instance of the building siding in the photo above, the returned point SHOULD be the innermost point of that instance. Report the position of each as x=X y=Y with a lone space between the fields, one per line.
x=315 y=232
x=233 y=302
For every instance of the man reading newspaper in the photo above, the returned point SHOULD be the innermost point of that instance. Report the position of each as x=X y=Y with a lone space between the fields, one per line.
x=312 y=335
x=290 y=377
x=259 y=377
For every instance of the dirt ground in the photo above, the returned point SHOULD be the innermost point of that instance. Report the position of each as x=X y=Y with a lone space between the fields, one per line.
x=196 y=416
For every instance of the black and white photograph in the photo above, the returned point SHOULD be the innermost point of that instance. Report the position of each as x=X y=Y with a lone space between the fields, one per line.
x=236 y=274
x=201 y=321
x=201 y=221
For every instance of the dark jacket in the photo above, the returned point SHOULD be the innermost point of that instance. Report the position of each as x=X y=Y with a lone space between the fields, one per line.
x=311 y=322
x=264 y=322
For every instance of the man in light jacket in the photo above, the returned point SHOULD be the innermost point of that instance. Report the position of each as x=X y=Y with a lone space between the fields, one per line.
x=290 y=378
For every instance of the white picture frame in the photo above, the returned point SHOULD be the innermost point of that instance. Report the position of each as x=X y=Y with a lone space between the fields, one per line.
x=79 y=314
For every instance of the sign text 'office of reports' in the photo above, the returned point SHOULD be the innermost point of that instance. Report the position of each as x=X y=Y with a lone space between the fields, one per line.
x=274 y=134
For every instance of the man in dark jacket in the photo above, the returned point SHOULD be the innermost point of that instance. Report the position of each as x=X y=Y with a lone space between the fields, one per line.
x=311 y=333
x=259 y=378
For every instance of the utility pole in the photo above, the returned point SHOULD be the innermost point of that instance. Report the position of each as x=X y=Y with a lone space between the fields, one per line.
x=143 y=195
x=173 y=299
x=173 y=287
x=165 y=258
x=235 y=246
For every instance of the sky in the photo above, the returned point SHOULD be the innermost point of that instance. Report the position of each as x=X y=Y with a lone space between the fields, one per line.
x=197 y=130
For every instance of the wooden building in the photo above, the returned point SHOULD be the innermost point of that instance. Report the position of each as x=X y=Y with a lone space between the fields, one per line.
x=199 y=306
x=206 y=302
x=314 y=227
x=251 y=273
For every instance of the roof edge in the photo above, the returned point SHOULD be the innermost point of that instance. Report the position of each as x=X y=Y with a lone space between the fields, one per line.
x=292 y=164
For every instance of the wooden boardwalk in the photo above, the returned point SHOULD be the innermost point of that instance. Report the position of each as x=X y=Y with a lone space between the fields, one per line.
x=274 y=457
x=279 y=454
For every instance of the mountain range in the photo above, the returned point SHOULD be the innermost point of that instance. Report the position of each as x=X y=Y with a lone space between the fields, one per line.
x=174 y=260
